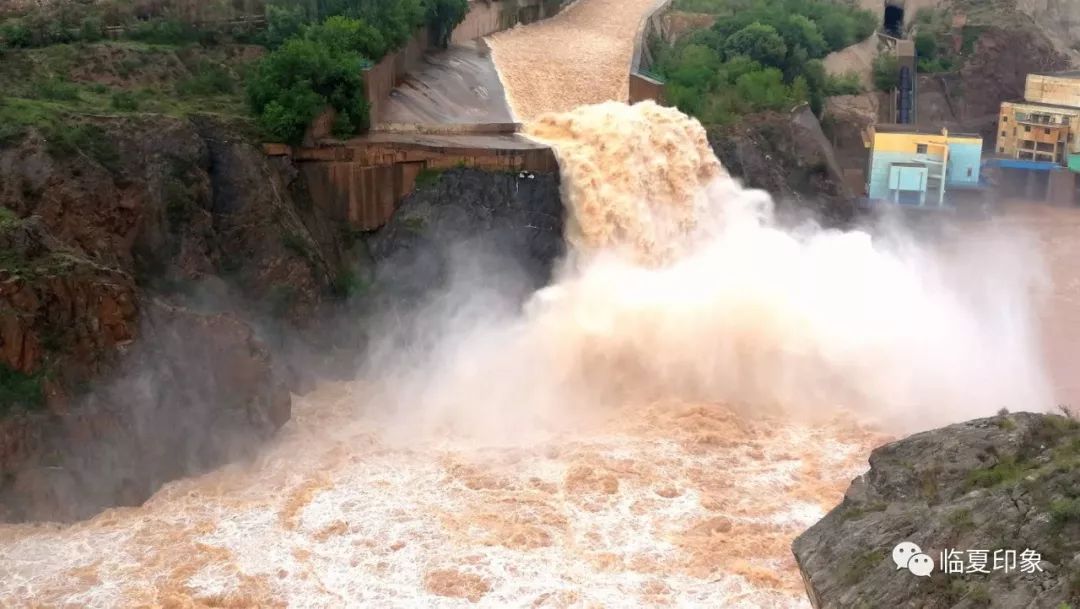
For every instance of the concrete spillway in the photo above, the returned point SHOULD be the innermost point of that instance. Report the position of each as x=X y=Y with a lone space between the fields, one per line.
x=457 y=86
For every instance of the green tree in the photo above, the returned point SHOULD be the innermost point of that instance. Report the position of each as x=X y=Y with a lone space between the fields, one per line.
x=395 y=20
x=837 y=30
x=886 y=71
x=345 y=35
x=764 y=90
x=800 y=90
x=926 y=45
x=443 y=16
x=798 y=31
x=765 y=54
x=759 y=42
x=283 y=21
x=696 y=66
x=293 y=84
x=732 y=70
x=15 y=34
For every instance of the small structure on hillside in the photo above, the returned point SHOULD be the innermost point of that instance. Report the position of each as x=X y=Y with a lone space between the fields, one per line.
x=1038 y=143
x=920 y=167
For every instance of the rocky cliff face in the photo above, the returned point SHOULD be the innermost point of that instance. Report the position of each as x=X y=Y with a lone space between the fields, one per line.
x=194 y=391
x=1010 y=482
x=172 y=202
x=471 y=226
x=1060 y=19
x=970 y=99
x=131 y=251
x=789 y=156
x=135 y=256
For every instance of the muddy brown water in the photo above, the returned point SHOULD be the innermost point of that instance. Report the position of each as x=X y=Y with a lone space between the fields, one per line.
x=647 y=501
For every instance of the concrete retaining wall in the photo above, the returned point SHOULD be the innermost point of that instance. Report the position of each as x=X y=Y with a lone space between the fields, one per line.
x=484 y=18
x=381 y=78
x=362 y=183
x=642 y=85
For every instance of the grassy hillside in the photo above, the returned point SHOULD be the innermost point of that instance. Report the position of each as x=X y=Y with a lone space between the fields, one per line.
x=281 y=66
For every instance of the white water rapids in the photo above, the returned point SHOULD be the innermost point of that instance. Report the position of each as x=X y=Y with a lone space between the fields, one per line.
x=695 y=389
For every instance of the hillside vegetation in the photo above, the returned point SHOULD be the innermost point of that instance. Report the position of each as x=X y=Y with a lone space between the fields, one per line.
x=283 y=68
x=760 y=55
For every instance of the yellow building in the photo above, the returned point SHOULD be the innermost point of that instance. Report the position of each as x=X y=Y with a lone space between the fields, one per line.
x=1044 y=126
x=1038 y=140
x=1060 y=89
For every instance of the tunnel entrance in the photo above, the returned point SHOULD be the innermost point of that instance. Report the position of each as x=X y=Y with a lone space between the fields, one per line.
x=893 y=24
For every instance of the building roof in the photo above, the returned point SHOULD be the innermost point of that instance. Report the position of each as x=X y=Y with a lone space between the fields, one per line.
x=1043 y=105
x=1071 y=74
x=915 y=130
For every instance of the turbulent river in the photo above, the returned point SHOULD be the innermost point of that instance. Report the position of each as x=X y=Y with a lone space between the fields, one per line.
x=695 y=388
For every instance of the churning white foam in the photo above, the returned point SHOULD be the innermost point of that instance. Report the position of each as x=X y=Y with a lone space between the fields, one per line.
x=654 y=429
x=681 y=285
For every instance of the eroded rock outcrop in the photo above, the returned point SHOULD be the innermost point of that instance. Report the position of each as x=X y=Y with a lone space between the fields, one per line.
x=471 y=227
x=172 y=202
x=789 y=156
x=120 y=368
x=59 y=312
x=195 y=391
x=1010 y=482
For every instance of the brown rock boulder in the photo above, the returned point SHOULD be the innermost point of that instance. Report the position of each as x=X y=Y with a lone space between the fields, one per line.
x=789 y=156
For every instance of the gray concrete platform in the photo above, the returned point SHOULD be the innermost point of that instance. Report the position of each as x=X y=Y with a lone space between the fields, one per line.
x=457 y=86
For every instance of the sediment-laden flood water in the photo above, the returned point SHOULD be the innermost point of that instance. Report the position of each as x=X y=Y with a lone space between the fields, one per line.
x=696 y=388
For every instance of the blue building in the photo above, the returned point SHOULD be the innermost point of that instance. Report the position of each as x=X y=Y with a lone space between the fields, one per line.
x=914 y=166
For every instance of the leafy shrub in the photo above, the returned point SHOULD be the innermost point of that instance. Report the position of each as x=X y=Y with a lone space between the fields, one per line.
x=208 y=79
x=14 y=34
x=845 y=84
x=765 y=89
x=760 y=55
x=1063 y=511
x=443 y=16
x=886 y=70
x=283 y=22
x=396 y=20
x=91 y=140
x=292 y=85
x=163 y=31
x=934 y=66
x=344 y=35
x=761 y=43
x=347 y=284
x=926 y=45
x=124 y=101
x=56 y=89
x=91 y=30
x=19 y=391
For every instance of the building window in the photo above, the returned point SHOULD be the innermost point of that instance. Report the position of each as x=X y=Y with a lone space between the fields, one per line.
x=920 y=149
x=1001 y=150
x=1027 y=128
x=1004 y=119
x=1003 y=134
x=970 y=171
x=1046 y=131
